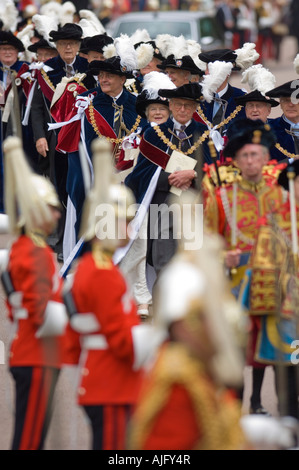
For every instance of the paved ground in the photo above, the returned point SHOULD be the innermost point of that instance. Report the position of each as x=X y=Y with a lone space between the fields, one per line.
x=69 y=429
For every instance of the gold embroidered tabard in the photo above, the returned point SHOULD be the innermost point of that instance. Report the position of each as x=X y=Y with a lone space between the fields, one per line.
x=269 y=263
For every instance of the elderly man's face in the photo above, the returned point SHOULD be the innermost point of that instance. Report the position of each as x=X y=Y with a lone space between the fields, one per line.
x=289 y=108
x=257 y=110
x=8 y=55
x=151 y=66
x=68 y=49
x=182 y=110
x=177 y=76
x=43 y=54
x=111 y=83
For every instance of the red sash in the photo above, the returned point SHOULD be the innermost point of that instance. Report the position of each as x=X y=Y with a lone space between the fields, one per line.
x=154 y=154
x=197 y=118
x=103 y=126
x=69 y=135
x=46 y=89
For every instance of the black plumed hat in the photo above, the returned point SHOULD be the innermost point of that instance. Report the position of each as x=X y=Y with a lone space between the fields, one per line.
x=8 y=38
x=255 y=96
x=184 y=63
x=67 y=31
x=190 y=91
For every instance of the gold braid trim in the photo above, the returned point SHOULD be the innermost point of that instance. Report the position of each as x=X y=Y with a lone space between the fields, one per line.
x=114 y=141
x=166 y=141
x=218 y=421
x=102 y=259
x=285 y=152
x=224 y=122
x=47 y=80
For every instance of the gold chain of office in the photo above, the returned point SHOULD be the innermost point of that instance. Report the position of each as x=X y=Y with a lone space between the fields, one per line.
x=110 y=139
x=166 y=141
x=285 y=152
x=222 y=123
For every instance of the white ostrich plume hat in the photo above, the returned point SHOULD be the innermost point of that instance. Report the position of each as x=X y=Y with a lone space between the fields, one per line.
x=259 y=78
x=154 y=81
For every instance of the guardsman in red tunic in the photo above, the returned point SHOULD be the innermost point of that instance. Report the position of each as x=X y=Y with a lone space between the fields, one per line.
x=234 y=208
x=105 y=335
x=33 y=287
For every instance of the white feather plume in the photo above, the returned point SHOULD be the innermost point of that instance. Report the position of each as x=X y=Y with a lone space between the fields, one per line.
x=109 y=51
x=194 y=48
x=145 y=53
x=178 y=47
x=140 y=35
x=259 y=78
x=51 y=10
x=25 y=36
x=218 y=72
x=27 y=32
x=67 y=12
x=154 y=81
x=126 y=51
x=44 y=24
x=162 y=42
x=9 y=15
x=88 y=28
x=93 y=19
x=296 y=64
x=246 y=55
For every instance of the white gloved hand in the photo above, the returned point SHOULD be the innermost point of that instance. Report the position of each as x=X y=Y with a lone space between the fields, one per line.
x=263 y=431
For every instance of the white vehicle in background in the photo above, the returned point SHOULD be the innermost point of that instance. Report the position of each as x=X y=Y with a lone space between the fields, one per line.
x=197 y=25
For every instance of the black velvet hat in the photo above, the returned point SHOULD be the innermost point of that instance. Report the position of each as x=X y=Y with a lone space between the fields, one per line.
x=7 y=38
x=248 y=131
x=185 y=63
x=67 y=31
x=283 y=178
x=96 y=43
x=111 y=65
x=190 y=91
x=285 y=90
x=223 y=55
x=41 y=44
x=255 y=95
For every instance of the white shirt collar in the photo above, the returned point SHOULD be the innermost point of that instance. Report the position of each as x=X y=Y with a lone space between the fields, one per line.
x=72 y=63
x=177 y=125
x=115 y=98
x=292 y=124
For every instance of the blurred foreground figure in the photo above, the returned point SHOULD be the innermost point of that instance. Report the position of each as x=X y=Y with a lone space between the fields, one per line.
x=187 y=399
x=33 y=286
x=105 y=335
